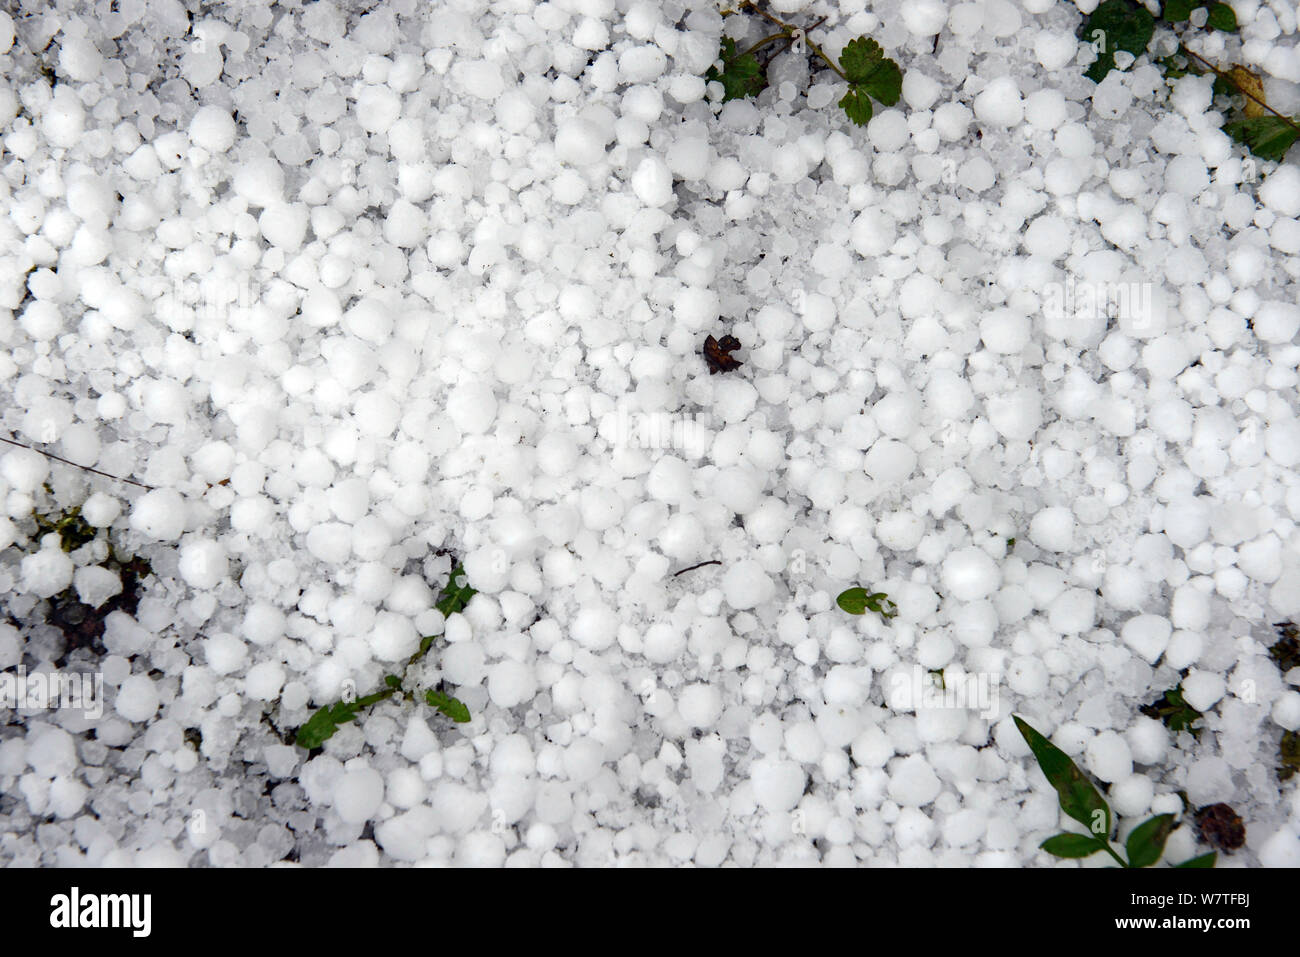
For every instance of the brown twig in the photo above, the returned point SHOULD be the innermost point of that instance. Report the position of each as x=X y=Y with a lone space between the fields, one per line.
x=1227 y=77
x=86 y=468
x=693 y=567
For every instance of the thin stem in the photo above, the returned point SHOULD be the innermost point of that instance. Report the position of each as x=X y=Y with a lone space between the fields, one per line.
x=1111 y=851
x=693 y=567
x=761 y=43
x=818 y=50
x=85 y=468
x=1236 y=86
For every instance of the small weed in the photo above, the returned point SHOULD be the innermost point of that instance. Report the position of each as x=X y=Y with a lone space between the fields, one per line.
x=857 y=601
x=1289 y=752
x=1081 y=801
x=870 y=75
x=323 y=724
x=1285 y=652
x=1176 y=713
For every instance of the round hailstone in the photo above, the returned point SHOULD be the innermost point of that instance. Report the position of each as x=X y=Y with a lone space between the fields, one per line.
x=652 y=182
x=213 y=129
x=1276 y=322
x=1073 y=612
x=746 y=585
x=378 y=108
x=1203 y=689
x=264 y=680
x=999 y=103
x=137 y=698
x=969 y=574
x=358 y=794
x=203 y=564
x=1052 y=529
x=913 y=782
x=778 y=785
x=700 y=705
x=924 y=18
x=96 y=584
x=1147 y=635
x=1016 y=415
x=159 y=514
x=1280 y=191
x=510 y=683
x=472 y=407
x=284 y=225
x=579 y=142
x=595 y=628
x=63 y=118
x=1005 y=331
x=260 y=182
x=1109 y=757
x=47 y=572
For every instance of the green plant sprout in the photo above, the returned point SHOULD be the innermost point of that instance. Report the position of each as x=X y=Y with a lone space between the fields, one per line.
x=1081 y=801
x=1128 y=26
x=1176 y=713
x=323 y=724
x=862 y=65
x=857 y=601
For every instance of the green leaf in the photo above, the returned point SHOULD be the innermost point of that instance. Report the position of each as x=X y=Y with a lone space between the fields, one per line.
x=453 y=598
x=868 y=70
x=856 y=106
x=856 y=601
x=1204 y=860
x=1176 y=11
x=321 y=726
x=1222 y=18
x=741 y=75
x=1080 y=800
x=392 y=681
x=1176 y=713
x=1268 y=137
x=451 y=707
x=1116 y=25
x=1147 y=841
x=1067 y=844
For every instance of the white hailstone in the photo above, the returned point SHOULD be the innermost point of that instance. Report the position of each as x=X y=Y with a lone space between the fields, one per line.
x=700 y=705
x=920 y=91
x=1005 y=331
x=24 y=469
x=263 y=623
x=1016 y=415
x=1286 y=711
x=378 y=108
x=1203 y=689
x=1052 y=529
x=96 y=584
x=1280 y=191
x=889 y=461
x=64 y=118
x=203 y=564
x=746 y=584
x=47 y=572
x=1027 y=676
x=1073 y=612
x=1282 y=849
x=924 y=18
x=663 y=643
x=330 y=542
x=595 y=628
x=11 y=646
x=777 y=784
x=579 y=142
x=652 y=182
x=913 y=782
x=137 y=698
x=7 y=34
x=1187 y=521
x=510 y=683
x=1109 y=757
x=999 y=103
x=393 y=637
x=969 y=574
x=1054 y=50
x=900 y=531
x=642 y=64
x=1147 y=635
x=1276 y=322
x=264 y=680
x=260 y=182
x=888 y=131
x=358 y=794
x=1131 y=796
x=284 y=225
x=472 y=406
x=1148 y=739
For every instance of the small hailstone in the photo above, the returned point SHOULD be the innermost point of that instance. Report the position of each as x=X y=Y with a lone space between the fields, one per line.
x=700 y=705
x=1109 y=757
x=358 y=794
x=159 y=514
x=970 y=574
x=652 y=182
x=777 y=784
x=1147 y=635
x=1052 y=529
x=96 y=584
x=48 y=571
x=264 y=680
x=137 y=698
x=203 y=564
x=999 y=103
x=913 y=782
x=1286 y=711
x=746 y=584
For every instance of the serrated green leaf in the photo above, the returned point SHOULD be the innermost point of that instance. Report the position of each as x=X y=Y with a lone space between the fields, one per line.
x=1176 y=11
x=1067 y=844
x=1116 y=25
x=1222 y=18
x=1176 y=713
x=1204 y=860
x=741 y=76
x=856 y=106
x=1268 y=137
x=1080 y=800
x=1147 y=841
x=871 y=72
x=451 y=707
x=454 y=597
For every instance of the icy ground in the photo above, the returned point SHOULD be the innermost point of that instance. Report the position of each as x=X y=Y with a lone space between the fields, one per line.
x=361 y=292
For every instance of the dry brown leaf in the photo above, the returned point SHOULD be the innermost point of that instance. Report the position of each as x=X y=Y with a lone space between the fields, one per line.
x=1250 y=83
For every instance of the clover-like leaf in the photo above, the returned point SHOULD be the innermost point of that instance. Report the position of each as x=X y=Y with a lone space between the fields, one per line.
x=869 y=71
x=741 y=76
